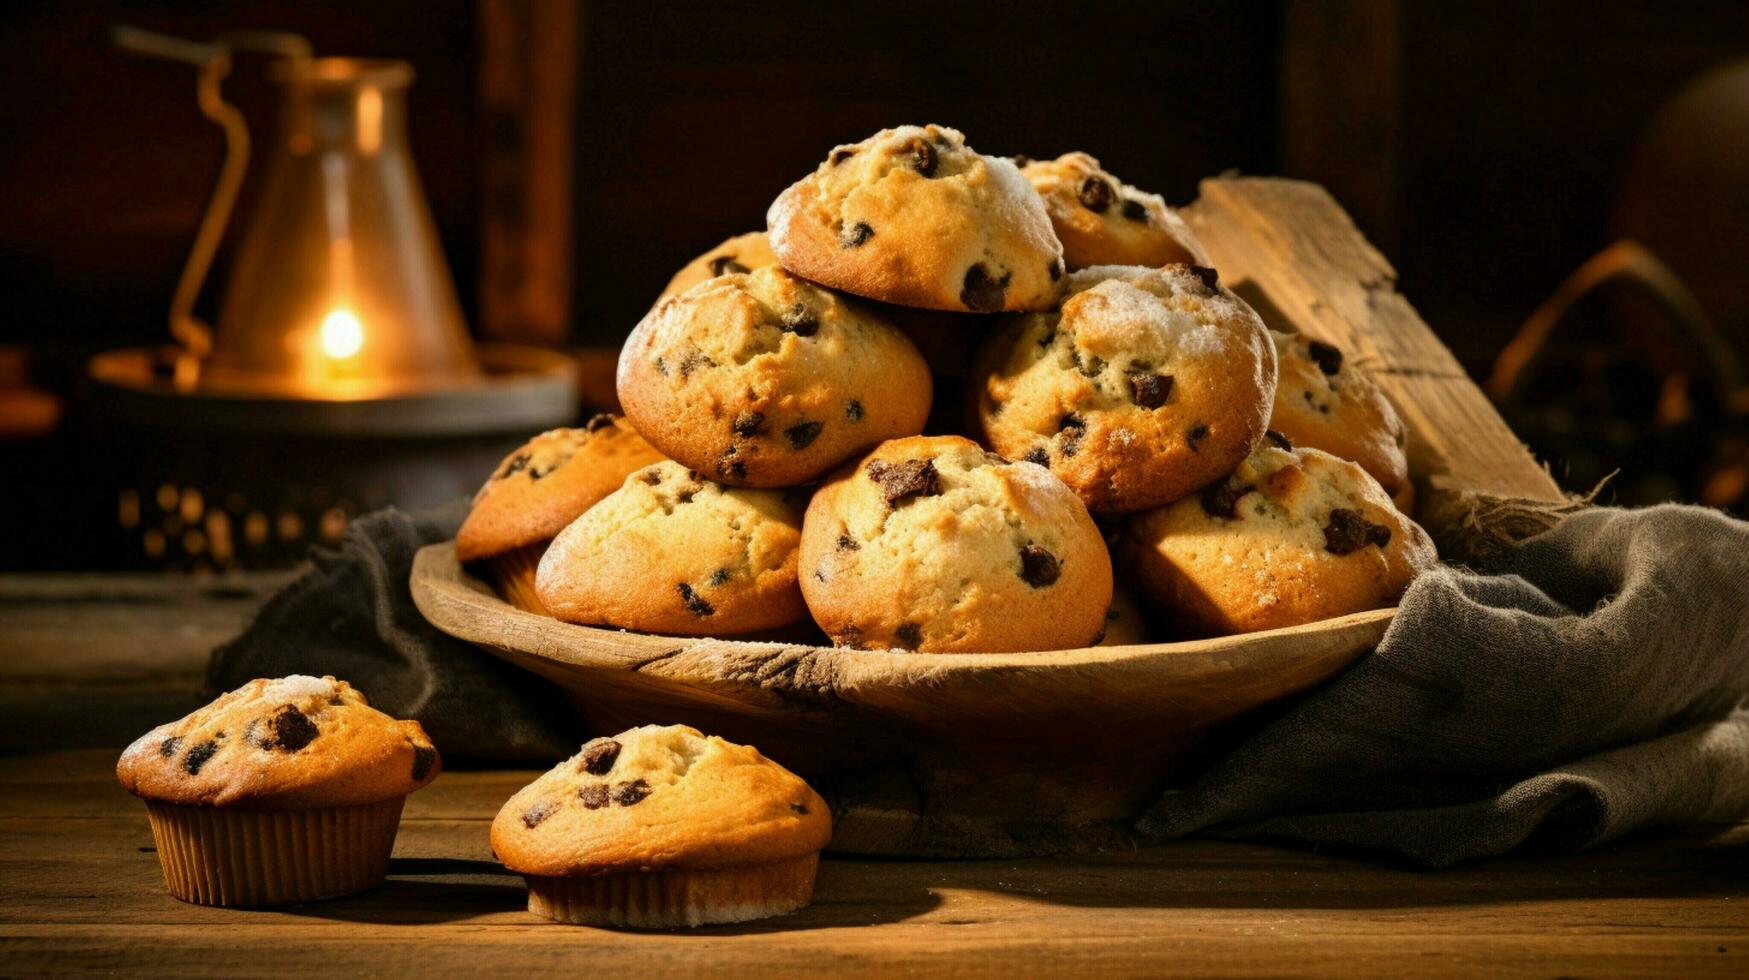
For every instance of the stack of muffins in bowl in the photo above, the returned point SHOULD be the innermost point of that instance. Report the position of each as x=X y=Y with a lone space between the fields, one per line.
x=950 y=402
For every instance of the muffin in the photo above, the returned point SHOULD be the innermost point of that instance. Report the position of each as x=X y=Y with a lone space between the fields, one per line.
x=743 y=253
x=1292 y=536
x=671 y=552
x=762 y=379
x=281 y=791
x=932 y=544
x=1144 y=386
x=1124 y=623
x=1323 y=401
x=662 y=827
x=536 y=491
x=1103 y=221
x=914 y=216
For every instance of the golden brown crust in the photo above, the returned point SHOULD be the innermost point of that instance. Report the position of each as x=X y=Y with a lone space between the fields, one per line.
x=546 y=482
x=1309 y=537
x=914 y=216
x=670 y=552
x=932 y=544
x=765 y=380
x=1103 y=221
x=742 y=253
x=1146 y=385
x=291 y=743
x=1324 y=401
x=657 y=799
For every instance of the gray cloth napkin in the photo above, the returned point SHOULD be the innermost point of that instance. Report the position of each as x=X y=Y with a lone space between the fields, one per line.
x=1589 y=685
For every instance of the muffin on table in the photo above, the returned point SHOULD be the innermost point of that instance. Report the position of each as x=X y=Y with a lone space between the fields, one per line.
x=538 y=489
x=672 y=552
x=1103 y=221
x=1292 y=536
x=763 y=379
x=742 y=253
x=914 y=216
x=932 y=544
x=661 y=827
x=281 y=791
x=1143 y=386
x=1323 y=401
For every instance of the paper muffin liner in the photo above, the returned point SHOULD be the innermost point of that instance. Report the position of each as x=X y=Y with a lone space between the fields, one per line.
x=670 y=899
x=512 y=575
x=212 y=856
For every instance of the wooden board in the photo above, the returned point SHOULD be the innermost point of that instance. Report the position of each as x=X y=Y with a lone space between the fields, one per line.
x=80 y=892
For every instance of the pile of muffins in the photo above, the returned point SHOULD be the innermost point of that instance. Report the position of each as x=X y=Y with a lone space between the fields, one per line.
x=935 y=406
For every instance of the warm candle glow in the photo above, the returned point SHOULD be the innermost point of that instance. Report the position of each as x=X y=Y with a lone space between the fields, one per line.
x=342 y=334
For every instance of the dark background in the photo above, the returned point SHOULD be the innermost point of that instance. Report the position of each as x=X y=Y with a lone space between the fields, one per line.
x=1483 y=145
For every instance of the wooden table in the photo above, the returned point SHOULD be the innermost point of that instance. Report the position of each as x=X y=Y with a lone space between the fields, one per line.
x=86 y=663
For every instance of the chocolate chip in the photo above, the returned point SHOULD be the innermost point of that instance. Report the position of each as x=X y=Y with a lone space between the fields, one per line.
x=1096 y=194
x=854 y=236
x=652 y=476
x=801 y=808
x=687 y=493
x=848 y=543
x=802 y=434
x=1349 y=531
x=1279 y=439
x=923 y=158
x=692 y=362
x=1210 y=278
x=900 y=481
x=981 y=293
x=598 y=422
x=1072 y=420
x=1038 y=567
x=1056 y=269
x=168 y=747
x=1021 y=160
x=820 y=574
x=599 y=756
x=1049 y=338
x=532 y=817
x=853 y=411
x=1069 y=442
x=748 y=424
x=661 y=367
x=909 y=635
x=1222 y=499
x=1037 y=455
x=695 y=603
x=593 y=797
x=1195 y=435
x=515 y=464
x=732 y=469
x=800 y=321
x=719 y=576
x=1150 y=390
x=198 y=756
x=291 y=730
x=1135 y=210
x=839 y=156
x=1090 y=366
x=424 y=757
x=724 y=264
x=1329 y=358
x=632 y=793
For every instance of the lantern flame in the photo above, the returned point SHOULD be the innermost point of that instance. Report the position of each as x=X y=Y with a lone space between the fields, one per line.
x=342 y=334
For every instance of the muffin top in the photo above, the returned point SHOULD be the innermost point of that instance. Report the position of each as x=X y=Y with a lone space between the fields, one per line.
x=916 y=217
x=743 y=253
x=659 y=798
x=1323 y=401
x=1103 y=221
x=291 y=743
x=545 y=483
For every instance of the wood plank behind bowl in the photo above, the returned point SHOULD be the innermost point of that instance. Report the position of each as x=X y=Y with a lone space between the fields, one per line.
x=1290 y=250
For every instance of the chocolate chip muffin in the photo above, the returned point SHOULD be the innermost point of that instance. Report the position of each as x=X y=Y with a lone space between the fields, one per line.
x=1323 y=401
x=1145 y=385
x=671 y=552
x=916 y=217
x=281 y=791
x=538 y=489
x=762 y=379
x=1103 y=221
x=1292 y=536
x=661 y=827
x=743 y=253
x=932 y=544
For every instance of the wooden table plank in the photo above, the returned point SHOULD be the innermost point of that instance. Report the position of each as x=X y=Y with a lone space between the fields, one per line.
x=83 y=893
